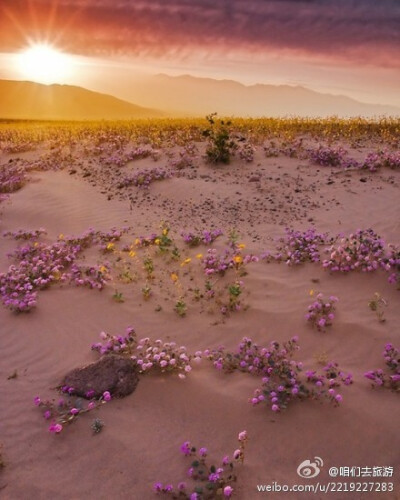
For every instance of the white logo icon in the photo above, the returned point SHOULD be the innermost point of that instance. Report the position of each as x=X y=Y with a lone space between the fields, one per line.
x=308 y=469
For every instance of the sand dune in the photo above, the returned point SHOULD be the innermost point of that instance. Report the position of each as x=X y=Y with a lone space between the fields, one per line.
x=143 y=432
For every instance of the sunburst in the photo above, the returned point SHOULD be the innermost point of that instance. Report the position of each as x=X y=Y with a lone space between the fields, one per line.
x=45 y=64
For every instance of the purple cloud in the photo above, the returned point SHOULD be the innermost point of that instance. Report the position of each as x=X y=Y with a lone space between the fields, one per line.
x=356 y=30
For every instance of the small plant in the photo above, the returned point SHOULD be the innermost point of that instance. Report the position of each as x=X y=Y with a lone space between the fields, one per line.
x=97 y=426
x=146 y=291
x=118 y=297
x=377 y=304
x=148 y=267
x=321 y=312
x=235 y=290
x=211 y=482
x=221 y=145
x=180 y=307
x=233 y=238
x=391 y=355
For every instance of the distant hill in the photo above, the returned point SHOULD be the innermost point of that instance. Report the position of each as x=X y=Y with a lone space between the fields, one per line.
x=28 y=100
x=197 y=96
x=163 y=95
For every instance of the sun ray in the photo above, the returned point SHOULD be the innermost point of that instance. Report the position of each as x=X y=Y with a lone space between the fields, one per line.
x=45 y=64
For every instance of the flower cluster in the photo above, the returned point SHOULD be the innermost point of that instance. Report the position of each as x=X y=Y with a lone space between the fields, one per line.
x=250 y=357
x=121 y=158
x=284 y=384
x=13 y=148
x=391 y=355
x=297 y=247
x=12 y=178
x=246 y=152
x=207 y=482
x=25 y=234
x=215 y=263
x=363 y=250
x=375 y=161
x=206 y=237
x=143 y=178
x=271 y=150
x=38 y=265
x=186 y=158
x=149 y=355
x=108 y=239
x=67 y=409
x=89 y=276
x=328 y=157
x=281 y=380
x=293 y=148
x=321 y=312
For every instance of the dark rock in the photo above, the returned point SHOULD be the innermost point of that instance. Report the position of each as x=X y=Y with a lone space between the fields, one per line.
x=112 y=373
x=254 y=178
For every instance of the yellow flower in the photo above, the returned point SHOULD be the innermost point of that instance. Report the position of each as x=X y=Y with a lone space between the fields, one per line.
x=137 y=241
x=132 y=253
x=157 y=241
x=103 y=269
x=110 y=246
x=56 y=275
x=60 y=236
x=165 y=231
x=311 y=293
x=199 y=256
x=238 y=259
x=241 y=245
x=186 y=261
x=174 y=277
x=36 y=244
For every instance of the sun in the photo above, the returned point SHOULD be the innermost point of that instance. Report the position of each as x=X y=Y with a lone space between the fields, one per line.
x=44 y=64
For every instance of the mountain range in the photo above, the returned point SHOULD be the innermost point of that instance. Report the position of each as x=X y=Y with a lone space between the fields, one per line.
x=195 y=96
x=35 y=101
x=162 y=95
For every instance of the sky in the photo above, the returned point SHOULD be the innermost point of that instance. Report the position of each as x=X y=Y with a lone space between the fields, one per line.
x=349 y=47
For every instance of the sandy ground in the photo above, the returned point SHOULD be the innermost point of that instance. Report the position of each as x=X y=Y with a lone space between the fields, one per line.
x=143 y=432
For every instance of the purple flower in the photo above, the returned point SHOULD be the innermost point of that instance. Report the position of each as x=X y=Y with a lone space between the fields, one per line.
x=56 y=428
x=106 y=396
x=228 y=491
x=237 y=454
x=186 y=448
x=157 y=487
x=242 y=436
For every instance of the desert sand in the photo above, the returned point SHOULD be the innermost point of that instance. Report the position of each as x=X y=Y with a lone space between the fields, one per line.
x=139 y=444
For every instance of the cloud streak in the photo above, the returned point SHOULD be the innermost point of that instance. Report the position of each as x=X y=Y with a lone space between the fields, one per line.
x=362 y=31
